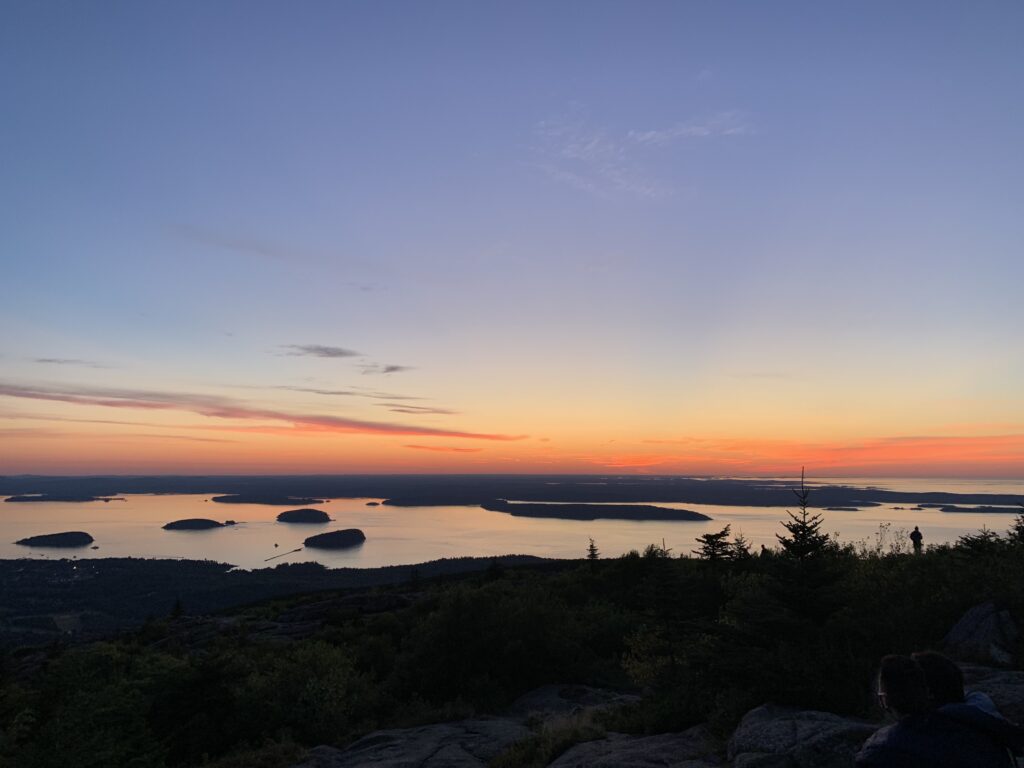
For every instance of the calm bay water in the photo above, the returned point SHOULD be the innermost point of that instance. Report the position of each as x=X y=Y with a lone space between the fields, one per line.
x=404 y=535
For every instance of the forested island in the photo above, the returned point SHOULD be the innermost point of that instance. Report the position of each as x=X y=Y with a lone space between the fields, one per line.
x=592 y=511
x=64 y=539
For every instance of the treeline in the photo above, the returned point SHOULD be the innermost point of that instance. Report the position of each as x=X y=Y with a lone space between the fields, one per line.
x=706 y=636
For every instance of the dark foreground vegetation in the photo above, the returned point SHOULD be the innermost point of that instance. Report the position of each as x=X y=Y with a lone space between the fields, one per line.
x=704 y=637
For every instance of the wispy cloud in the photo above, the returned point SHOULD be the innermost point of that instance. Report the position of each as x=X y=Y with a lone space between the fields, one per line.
x=442 y=448
x=424 y=409
x=571 y=150
x=353 y=392
x=382 y=368
x=720 y=124
x=226 y=408
x=318 y=350
x=69 y=361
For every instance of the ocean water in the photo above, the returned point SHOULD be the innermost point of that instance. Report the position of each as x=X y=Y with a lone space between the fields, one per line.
x=404 y=535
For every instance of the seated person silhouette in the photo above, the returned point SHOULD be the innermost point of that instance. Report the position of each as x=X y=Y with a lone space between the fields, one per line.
x=946 y=684
x=952 y=735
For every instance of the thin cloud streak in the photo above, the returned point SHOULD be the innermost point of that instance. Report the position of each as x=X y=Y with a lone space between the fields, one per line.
x=69 y=361
x=414 y=409
x=224 y=408
x=344 y=392
x=442 y=448
x=382 y=368
x=319 y=350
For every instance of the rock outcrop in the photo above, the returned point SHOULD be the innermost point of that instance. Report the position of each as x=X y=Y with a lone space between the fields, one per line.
x=462 y=744
x=690 y=749
x=985 y=634
x=65 y=539
x=343 y=539
x=780 y=737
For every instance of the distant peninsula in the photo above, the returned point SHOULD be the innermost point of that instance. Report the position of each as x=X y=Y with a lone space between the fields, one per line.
x=304 y=516
x=261 y=498
x=66 y=539
x=61 y=497
x=984 y=510
x=343 y=539
x=192 y=524
x=593 y=511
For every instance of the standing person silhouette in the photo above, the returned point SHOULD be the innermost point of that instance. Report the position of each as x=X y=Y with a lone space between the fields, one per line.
x=916 y=537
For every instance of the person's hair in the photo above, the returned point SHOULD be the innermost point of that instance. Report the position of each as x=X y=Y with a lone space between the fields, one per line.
x=944 y=678
x=903 y=682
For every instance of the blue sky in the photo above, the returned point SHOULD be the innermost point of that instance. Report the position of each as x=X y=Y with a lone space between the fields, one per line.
x=622 y=213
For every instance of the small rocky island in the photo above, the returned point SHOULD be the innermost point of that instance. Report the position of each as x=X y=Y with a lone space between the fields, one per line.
x=265 y=498
x=592 y=511
x=304 y=516
x=343 y=539
x=192 y=524
x=66 y=539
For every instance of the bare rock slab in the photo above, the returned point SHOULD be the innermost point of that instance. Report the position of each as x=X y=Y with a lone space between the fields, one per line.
x=689 y=749
x=462 y=744
x=780 y=737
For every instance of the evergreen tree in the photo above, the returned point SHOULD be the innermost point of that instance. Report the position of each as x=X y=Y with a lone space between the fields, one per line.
x=592 y=551
x=714 y=546
x=805 y=539
x=1016 y=533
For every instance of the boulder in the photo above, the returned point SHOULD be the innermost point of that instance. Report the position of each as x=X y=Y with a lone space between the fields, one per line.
x=66 y=539
x=771 y=736
x=192 y=524
x=304 y=516
x=463 y=744
x=567 y=700
x=690 y=749
x=983 y=634
x=348 y=537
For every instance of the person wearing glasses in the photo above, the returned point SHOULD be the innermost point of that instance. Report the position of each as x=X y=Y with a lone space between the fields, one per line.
x=927 y=736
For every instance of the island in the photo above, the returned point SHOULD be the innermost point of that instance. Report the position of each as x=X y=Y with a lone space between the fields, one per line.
x=192 y=524
x=304 y=516
x=373 y=503
x=592 y=511
x=262 y=498
x=27 y=497
x=842 y=509
x=982 y=510
x=66 y=539
x=343 y=539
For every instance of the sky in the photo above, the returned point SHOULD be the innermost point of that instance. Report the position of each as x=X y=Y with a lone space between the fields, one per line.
x=600 y=237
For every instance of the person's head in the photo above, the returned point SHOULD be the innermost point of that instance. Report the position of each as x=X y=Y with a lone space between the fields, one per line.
x=944 y=678
x=915 y=528
x=902 y=687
